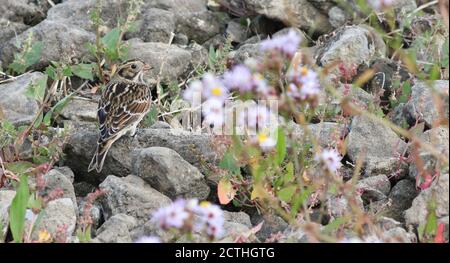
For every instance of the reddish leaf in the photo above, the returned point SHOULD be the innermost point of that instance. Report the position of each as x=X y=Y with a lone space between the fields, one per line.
x=225 y=191
x=440 y=234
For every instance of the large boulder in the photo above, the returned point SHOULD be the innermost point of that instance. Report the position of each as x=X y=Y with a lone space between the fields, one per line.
x=424 y=103
x=60 y=41
x=58 y=219
x=295 y=13
x=437 y=193
x=16 y=106
x=379 y=145
x=131 y=196
x=116 y=230
x=351 y=45
x=166 y=171
x=174 y=60
x=194 y=148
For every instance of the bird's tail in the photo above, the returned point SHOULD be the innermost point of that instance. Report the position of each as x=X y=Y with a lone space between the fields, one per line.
x=99 y=157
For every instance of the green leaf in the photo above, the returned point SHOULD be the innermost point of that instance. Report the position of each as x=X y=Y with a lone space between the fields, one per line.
x=51 y=72
x=83 y=71
x=286 y=193
x=111 y=39
x=289 y=176
x=57 y=109
x=34 y=55
x=39 y=120
x=281 y=146
x=406 y=92
x=229 y=163
x=335 y=224
x=299 y=200
x=37 y=90
x=19 y=167
x=18 y=209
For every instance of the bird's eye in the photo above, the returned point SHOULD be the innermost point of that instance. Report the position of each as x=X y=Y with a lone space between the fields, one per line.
x=133 y=66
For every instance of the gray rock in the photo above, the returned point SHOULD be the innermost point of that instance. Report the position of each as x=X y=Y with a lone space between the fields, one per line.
x=155 y=26
x=194 y=148
x=6 y=197
x=401 y=197
x=201 y=26
x=351 y=45
x=387 y=223
x=245 y=52
x=337 y=17
x=94 y=212
x=58 y=214
x=116 y=230
x=378 y=145
x=16 y=106
x=438 y=137
x=131 y=196
x=438 y=192
x=399 y=235
x=326 y=133
x=59 y=40
x=236 y=31
x=76 y=13
x=236 y=224
x=176 y=60
x=193 y=19
x=237 y=217
x=272 y=224
x=54 y=180
x=422 y=104
x=374 y=188
x=166 y=171
x=80 y=109
x=10 y=29
x=28 y=12
x=338 y=206
x=295 y=13
x=402 y=115
x=161 y=125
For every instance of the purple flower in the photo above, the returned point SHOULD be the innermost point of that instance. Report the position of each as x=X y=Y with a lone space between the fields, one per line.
x=213 y=111
x=239 y=78
x=213 y=87
x=148 y=239
x=379 y=5
x=285 y=44
x=331 y=159
x=172 y=216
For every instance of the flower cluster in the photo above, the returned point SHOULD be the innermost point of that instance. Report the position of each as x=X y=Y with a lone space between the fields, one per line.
x=241 y=78
x=259 y=123
x=286 y=44
x=191 y=216
x=304 y=85
x=330 y=159
x=379 y=5
x=213 y=93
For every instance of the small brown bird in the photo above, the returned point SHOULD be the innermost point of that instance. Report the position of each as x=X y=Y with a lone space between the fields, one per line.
x=124 y=103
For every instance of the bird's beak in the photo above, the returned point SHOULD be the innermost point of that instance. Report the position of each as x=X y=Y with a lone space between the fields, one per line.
x=147 y=67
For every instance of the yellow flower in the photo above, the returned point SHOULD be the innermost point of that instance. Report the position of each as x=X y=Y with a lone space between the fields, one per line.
x=304 y=71
x=205 y=204
x=44 y=236
x=216 y=91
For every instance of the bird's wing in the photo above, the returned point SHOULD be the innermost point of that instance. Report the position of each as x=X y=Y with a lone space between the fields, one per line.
x=121 y=106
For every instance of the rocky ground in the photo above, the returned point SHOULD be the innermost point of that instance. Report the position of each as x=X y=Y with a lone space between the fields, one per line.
x=162 y=162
